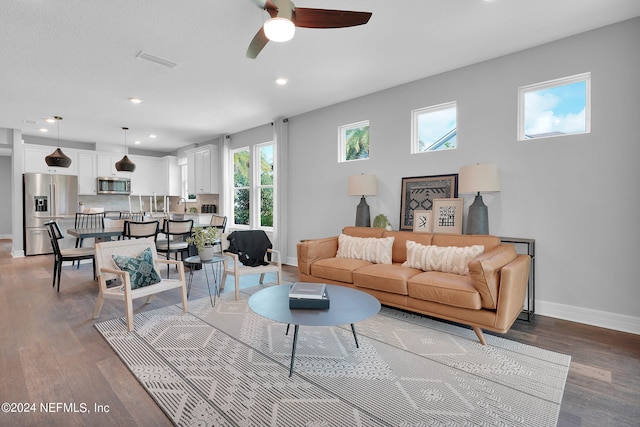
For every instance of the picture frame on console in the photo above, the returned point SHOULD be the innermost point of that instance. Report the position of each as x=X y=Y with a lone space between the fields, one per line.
x=447 y=215
x=422 y=221
x=418 y=193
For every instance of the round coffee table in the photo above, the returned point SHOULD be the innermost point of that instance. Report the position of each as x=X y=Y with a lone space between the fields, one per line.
x=347 y=306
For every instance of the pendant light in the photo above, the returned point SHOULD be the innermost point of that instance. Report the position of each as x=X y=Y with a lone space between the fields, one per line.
x=58 y=159
x=125 y=165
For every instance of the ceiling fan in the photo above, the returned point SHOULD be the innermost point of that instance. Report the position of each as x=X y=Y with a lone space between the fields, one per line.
x=287 y=16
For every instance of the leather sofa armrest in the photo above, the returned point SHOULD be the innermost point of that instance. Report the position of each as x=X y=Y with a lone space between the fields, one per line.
x=513 y=289
x=485 y=272
x=310 y=251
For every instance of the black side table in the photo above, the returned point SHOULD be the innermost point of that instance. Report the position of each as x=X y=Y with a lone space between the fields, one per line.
x=530 y=301
x=216 y=264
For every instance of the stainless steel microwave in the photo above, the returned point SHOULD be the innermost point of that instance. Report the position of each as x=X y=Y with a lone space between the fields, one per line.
x=114 y=185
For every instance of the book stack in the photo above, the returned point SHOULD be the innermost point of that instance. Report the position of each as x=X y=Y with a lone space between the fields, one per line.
x=309 y=296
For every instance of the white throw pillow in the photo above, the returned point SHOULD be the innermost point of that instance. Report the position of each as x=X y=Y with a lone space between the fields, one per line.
x=366 y=248
x=448 y=259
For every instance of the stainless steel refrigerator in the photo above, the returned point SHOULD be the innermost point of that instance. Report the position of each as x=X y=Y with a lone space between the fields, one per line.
x=46 y=197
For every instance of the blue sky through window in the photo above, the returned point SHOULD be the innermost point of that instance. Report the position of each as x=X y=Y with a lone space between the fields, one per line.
x=556 y=110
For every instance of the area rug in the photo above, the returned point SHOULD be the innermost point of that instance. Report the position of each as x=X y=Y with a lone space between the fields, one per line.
x=226 y=366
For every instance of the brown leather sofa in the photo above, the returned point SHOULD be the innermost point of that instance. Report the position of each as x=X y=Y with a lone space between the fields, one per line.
x=490 y=298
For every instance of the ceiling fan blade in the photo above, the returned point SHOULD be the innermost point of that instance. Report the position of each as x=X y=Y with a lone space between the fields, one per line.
x=259 y=41
x=326 y=18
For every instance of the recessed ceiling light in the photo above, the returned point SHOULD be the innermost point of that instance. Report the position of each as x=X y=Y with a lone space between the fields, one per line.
x=135 y=100
x=153 y=136
x=44 y=130
x=137 y=142
x=50 y=120
x=281 y=81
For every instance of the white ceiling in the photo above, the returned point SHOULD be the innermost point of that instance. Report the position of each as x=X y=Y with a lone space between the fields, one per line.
x=77 y=59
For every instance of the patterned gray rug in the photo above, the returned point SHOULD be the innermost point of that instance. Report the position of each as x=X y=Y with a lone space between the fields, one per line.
x=226 y=366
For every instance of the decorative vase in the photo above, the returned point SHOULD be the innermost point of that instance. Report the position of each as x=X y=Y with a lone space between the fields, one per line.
x=206 y=253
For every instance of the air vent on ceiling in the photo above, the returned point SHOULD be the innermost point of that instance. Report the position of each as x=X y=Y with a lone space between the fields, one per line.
x=155 y=59
x=30 y=122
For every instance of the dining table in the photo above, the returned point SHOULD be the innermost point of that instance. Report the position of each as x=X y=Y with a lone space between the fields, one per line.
x=105 y=233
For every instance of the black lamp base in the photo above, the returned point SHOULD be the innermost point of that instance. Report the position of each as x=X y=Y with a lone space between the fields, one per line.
x=478 y=217
x=363 y=217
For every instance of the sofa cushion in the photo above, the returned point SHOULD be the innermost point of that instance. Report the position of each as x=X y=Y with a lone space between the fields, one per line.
x=365 y=248
x=363 y=231
x=485 y=272
x=400 y=242
x=383 y=277
x=447 y=259
x=445 y=288
x=337 y=269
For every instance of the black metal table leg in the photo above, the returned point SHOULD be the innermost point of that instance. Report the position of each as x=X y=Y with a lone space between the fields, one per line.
x=353 y=329
x=293 y=351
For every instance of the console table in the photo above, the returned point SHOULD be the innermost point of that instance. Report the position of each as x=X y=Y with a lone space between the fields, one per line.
x=530 y=301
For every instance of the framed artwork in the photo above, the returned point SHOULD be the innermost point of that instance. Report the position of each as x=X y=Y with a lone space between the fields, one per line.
x=418 y=194
x=447 y=215
x=422 y=221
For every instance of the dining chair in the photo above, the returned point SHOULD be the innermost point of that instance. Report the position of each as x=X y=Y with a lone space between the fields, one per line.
x=176 y=233
x=141 y=229
x=88 y=220
x=135 y=263
x=219 y=222
x=272 y=264
x=134 y=216
x=62 y=255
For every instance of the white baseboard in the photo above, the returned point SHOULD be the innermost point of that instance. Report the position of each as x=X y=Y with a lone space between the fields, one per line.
x=589 y=316
x=291 y=261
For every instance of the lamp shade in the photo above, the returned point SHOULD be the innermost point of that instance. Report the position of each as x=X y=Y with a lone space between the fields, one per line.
x=479 y=179
x=363 y=185
x=279 y=29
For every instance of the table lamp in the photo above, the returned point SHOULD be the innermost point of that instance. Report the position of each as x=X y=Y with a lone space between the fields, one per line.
x=476 y=179
x=363 y=185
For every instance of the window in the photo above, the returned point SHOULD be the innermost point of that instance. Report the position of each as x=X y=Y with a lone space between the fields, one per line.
x=353 y=142
x=253 y=184
x=555 y=108
x=434 y=128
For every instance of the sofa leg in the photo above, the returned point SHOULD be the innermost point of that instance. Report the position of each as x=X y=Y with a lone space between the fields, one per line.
x=480 y=335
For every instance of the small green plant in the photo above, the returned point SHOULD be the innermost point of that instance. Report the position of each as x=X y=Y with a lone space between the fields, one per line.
x=203 y=236
x=381 y=221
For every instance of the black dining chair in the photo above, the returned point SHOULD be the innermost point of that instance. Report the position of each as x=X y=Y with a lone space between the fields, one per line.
x=62 y=255
x=140 y=230
x=176 y=233
x=219 y=222
x=88 y=220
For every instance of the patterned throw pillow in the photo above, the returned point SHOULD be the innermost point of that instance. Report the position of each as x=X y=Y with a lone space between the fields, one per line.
x=141 y=270
x=365 y=248
x=448 y=259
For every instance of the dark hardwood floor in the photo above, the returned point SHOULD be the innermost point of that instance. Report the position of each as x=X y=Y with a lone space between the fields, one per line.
x=51 y=354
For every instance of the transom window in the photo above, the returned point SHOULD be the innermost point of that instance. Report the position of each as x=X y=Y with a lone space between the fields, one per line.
x=434 y=128
x=555 y=108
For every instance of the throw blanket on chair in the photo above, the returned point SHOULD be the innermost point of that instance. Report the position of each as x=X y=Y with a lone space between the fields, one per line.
x=250 y=246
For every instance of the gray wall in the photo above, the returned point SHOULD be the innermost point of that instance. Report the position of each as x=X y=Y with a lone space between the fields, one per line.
x=576 y=195
x=5 y=196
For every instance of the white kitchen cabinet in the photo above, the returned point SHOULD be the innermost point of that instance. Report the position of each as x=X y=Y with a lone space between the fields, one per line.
x=203 y=170
x=87 y=174
x=34 y=160
x=141 y=178
x=166 y=178
x=107 y=165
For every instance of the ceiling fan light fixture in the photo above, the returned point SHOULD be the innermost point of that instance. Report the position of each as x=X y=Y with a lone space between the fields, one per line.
x=279 y=29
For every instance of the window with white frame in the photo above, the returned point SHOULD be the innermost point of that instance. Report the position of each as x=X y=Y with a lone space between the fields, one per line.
x=434 y=128
x=353 y=141
x=555 y=108
x=253 y=186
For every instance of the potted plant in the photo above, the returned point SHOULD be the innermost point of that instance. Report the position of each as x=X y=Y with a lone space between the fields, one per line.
x=381 y=221
x=204 y=238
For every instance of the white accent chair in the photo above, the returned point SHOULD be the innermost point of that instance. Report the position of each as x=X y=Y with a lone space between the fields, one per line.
x=233 y=266
x=107 y=270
